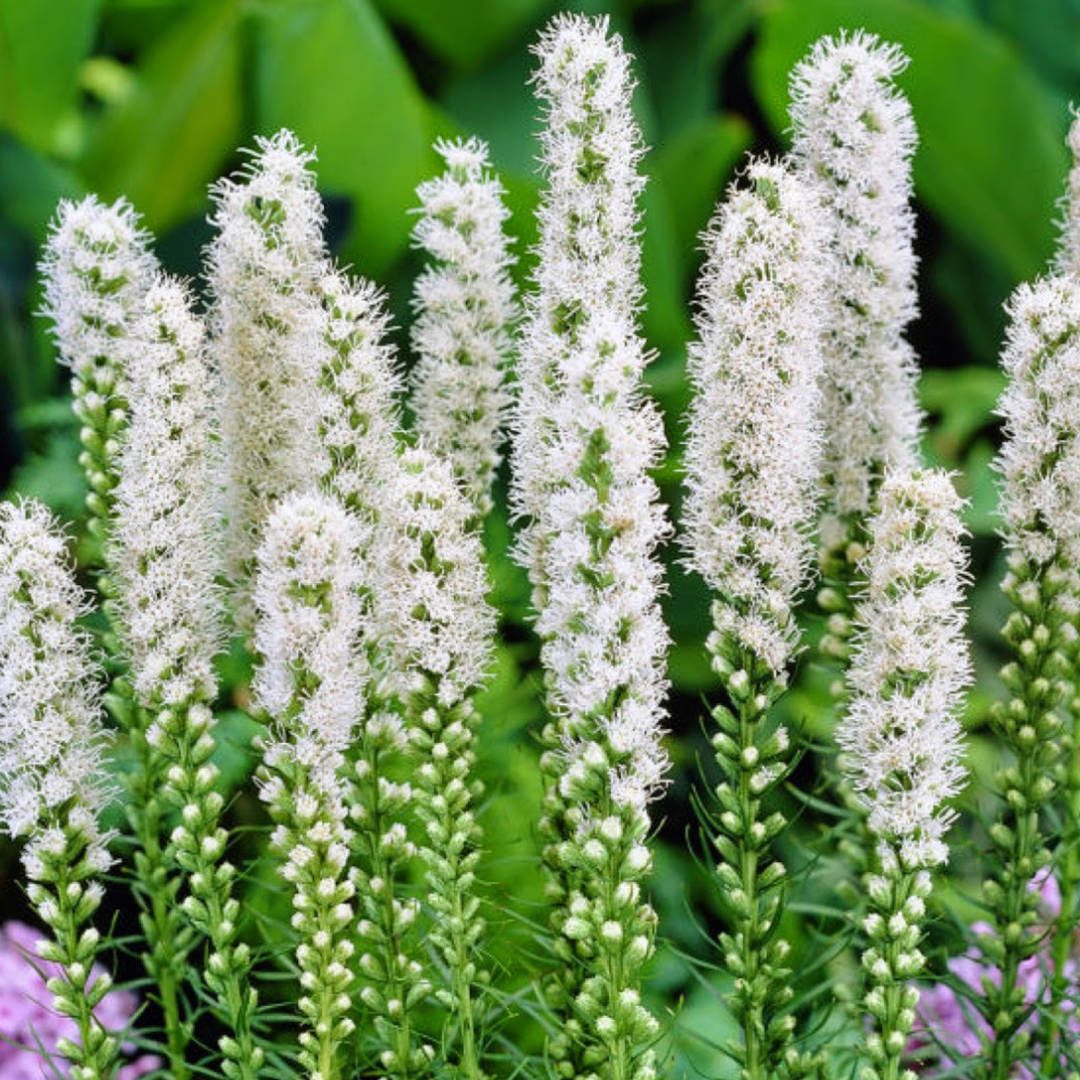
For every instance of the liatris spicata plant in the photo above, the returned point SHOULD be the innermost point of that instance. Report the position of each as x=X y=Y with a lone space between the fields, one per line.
x=439 y=631
x=164 y=552
x=310 y=683
x=585 y=440
x=464 y=302
x=854 y=138
x=1067 y=260
x=908 y=674
x=96 y=266
x=264 y=265
x=752 y=460
x=51 y=784
x=1040 y=468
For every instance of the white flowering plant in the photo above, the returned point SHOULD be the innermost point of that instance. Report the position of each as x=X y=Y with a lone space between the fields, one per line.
x=350 y=723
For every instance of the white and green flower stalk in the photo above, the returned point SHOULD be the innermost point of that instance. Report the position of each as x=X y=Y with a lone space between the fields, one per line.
x=908 y=674
x=97 y=266
x=1040 y=497
x=263 y=268
x=355 y=396
x=439 y=631
x=311 y=683
x=752 y=461
x=51 y=781
x=164 y=553
x=854 y=138
x=585 y=440
x=167 y=554
x=465 y=307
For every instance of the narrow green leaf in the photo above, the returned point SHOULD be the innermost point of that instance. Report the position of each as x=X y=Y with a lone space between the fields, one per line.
x=161 y=144
x=991 y=159
x=41 y=47
x=332 y=73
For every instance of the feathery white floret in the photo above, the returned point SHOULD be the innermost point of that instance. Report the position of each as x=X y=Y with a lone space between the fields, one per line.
x=354 y=403
x=855 y=137
x=429 y=582
x=1067 y=260
x=754 y=439
x=910 y=667
x=588 y=265
x=585 y=438
x=97 y=265
x=166 y=550
x=264 y=265
x=1040 y=457
x=51 y=735
x=308 y=631
x=465 y=306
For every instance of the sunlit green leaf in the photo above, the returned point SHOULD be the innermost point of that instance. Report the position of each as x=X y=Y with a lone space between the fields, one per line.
x=41 y=48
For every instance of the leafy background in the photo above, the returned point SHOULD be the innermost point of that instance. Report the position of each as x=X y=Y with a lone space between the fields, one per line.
x=151 y=98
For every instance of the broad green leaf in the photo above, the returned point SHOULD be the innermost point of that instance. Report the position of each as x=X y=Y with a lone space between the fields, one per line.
x=465 y=32
x=693 y=167
x=991 y=159
x=665 y=319
x=163 y=143
x=332 y=73
x=42 y=45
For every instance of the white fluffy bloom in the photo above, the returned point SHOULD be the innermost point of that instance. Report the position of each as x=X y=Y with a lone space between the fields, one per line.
x=354 y=400
x=754 y=438
x=1068 y=253
x=465 y=305
x=165 y=539
x=585 y=438
x=308 y=631
x=430 y=582
x=264 y=265
x=97 y=265
x=1040 y=457
x=910 y=666
x=855 y=137
x=51 y=735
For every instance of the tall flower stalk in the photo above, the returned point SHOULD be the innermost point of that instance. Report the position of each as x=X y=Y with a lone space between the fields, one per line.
x=167 y=554
x=310 y=683
x=465 y=307
x=52 y=787
x=854 y=138
x=439 y=630
x=908 y=674
x=752 y=458
x=264 y=264
x=584 y=441
x=97 y=266
x=1040 y=468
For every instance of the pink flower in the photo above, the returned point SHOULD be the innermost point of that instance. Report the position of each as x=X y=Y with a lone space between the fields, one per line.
x=30 y=1028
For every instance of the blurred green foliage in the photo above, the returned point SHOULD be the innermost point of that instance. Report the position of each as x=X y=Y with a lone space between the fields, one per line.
x=151 y=98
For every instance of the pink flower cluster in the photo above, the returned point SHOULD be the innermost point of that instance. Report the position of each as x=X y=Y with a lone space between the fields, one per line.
x=947 y=1020
x=30 y=1028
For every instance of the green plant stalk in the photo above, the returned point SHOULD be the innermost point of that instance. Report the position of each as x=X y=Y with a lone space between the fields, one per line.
x=892 y=960
x=445 y=793
x=752 y=764
x=394 y=988
x=183 y=736
x=1030 y=727
x=321 y=900
x=64 y=903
